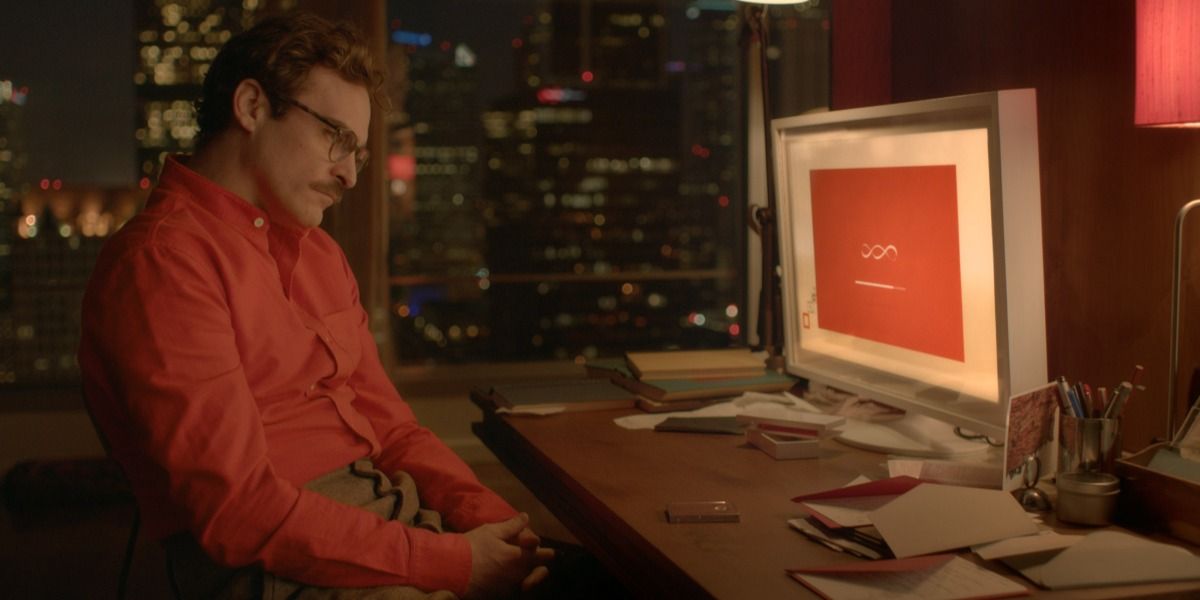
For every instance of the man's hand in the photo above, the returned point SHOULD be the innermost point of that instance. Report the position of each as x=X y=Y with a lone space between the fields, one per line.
x=529 y=544
x=503 y=556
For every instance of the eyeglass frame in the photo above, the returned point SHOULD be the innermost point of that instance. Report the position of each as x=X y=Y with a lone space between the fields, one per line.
x=338 y=149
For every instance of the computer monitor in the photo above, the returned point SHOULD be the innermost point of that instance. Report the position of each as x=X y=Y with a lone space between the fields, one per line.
x=911 y=254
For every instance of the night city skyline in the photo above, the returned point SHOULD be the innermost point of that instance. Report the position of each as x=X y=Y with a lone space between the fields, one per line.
x=566 y=180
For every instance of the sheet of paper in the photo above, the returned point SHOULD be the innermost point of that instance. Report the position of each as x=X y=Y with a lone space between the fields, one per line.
x=939 y=577
x=1109 y=558
x=750 y=402
x=935 y=518
x=1028 y=544
x=858 y=480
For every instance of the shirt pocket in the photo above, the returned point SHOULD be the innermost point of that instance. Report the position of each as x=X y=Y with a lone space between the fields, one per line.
x=345 y=328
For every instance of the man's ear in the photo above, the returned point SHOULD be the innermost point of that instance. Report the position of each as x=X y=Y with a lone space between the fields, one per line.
x=250 y=105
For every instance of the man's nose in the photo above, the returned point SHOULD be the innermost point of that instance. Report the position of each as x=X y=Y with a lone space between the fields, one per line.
x=346 y=172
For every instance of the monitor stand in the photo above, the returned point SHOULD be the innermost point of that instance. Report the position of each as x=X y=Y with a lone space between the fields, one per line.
x=911 y=435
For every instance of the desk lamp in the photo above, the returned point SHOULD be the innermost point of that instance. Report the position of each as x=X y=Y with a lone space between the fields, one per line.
x=770 y=303
x=1168 y=95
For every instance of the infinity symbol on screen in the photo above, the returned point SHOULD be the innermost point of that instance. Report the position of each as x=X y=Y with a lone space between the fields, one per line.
x=878 y=252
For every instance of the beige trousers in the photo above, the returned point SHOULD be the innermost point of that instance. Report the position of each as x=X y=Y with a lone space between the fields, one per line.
x=195 y=576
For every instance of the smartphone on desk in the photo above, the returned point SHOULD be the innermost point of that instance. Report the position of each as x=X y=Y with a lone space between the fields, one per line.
x=716 y=511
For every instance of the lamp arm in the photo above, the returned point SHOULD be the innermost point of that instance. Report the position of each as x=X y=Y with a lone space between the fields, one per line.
x=1176 y=291
x=763 y=218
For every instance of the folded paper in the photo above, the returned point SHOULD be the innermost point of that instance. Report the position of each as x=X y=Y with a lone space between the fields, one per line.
x=1108 y=558
x=935 y=518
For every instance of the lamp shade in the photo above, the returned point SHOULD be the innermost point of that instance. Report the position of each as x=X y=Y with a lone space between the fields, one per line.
x=1168 y=64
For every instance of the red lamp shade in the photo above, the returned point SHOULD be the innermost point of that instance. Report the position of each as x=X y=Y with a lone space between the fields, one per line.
x=1168 y=63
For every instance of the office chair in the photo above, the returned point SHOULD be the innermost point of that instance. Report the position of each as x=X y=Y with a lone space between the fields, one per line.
x=134 y=527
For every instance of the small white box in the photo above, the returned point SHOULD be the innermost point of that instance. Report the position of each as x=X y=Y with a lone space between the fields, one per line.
x=782 y=447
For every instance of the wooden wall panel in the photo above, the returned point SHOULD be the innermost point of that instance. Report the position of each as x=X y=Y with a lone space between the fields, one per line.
x=860 y=53
x=1110 y=190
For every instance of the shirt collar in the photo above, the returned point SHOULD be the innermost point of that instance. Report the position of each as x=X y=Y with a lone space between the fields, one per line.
x=230 y=208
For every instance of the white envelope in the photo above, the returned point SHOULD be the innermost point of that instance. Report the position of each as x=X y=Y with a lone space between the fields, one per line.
x=1108 y=558
x=1027 y=544
x=935 y=518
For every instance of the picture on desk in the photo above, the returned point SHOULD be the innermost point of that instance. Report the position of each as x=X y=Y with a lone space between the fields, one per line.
x=885 y=245
x=1032 y=427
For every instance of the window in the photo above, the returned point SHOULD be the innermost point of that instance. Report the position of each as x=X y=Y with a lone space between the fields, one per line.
x=567 y=177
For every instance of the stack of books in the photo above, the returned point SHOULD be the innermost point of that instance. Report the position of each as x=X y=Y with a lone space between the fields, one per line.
x=797 y=435
x=688 y=379
x=549 y=397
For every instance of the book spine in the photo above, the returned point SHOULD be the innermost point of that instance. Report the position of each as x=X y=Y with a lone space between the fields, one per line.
x=789 y=430
x=638 y=387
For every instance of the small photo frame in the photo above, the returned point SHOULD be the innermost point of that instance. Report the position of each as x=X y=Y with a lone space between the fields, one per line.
x=1032 y=430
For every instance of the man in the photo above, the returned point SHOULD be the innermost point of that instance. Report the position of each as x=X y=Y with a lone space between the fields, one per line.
x=227 y=360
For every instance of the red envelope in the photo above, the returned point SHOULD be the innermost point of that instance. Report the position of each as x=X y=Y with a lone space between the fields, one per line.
x=892 y=486
x=881 y=491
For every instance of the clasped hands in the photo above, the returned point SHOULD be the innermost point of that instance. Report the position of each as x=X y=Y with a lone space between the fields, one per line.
x=506 y=556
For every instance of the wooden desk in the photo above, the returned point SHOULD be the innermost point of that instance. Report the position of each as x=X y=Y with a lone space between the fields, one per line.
x=610 y=487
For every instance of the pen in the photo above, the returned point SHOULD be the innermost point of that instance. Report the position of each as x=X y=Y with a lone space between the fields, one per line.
x=1137 y=374
x=836 y=548
x=1090 y=405
x=1076 y=403
x=1064 y=395
x=1117 y=406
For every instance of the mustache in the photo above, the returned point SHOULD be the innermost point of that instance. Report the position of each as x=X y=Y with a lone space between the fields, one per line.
x=332 y=189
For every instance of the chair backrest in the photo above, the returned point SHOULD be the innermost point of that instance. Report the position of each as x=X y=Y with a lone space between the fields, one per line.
x=135 y=525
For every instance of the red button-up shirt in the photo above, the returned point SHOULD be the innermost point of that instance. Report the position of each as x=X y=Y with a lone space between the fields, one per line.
x=227 y=360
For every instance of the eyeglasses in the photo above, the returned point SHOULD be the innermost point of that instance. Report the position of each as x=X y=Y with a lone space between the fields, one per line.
x=345 y=142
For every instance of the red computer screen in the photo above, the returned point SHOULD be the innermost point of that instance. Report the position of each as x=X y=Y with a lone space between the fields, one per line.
x=886 y=253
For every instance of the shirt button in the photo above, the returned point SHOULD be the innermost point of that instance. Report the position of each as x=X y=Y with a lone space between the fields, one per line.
x=259 y=222
x=312 y=387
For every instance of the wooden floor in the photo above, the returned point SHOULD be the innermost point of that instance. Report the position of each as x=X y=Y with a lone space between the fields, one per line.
x=57 y=552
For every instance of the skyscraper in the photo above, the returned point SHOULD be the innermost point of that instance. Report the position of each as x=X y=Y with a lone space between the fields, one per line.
x=176 y=42
x=435 y=209
x=13 y=155
x=12 y=167
x=601 y=211
x=59 y=229
x=600 y=239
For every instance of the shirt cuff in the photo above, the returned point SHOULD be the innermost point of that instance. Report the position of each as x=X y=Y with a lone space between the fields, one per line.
x=439 y=561
x=480 y=510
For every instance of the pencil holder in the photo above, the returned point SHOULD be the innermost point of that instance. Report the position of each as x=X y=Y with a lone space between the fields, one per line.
x=1088 y=444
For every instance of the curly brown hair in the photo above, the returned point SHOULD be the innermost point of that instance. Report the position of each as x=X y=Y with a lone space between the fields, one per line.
x=278 y=53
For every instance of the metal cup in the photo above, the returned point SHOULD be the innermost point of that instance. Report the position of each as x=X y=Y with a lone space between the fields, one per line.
x=1088 y=444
